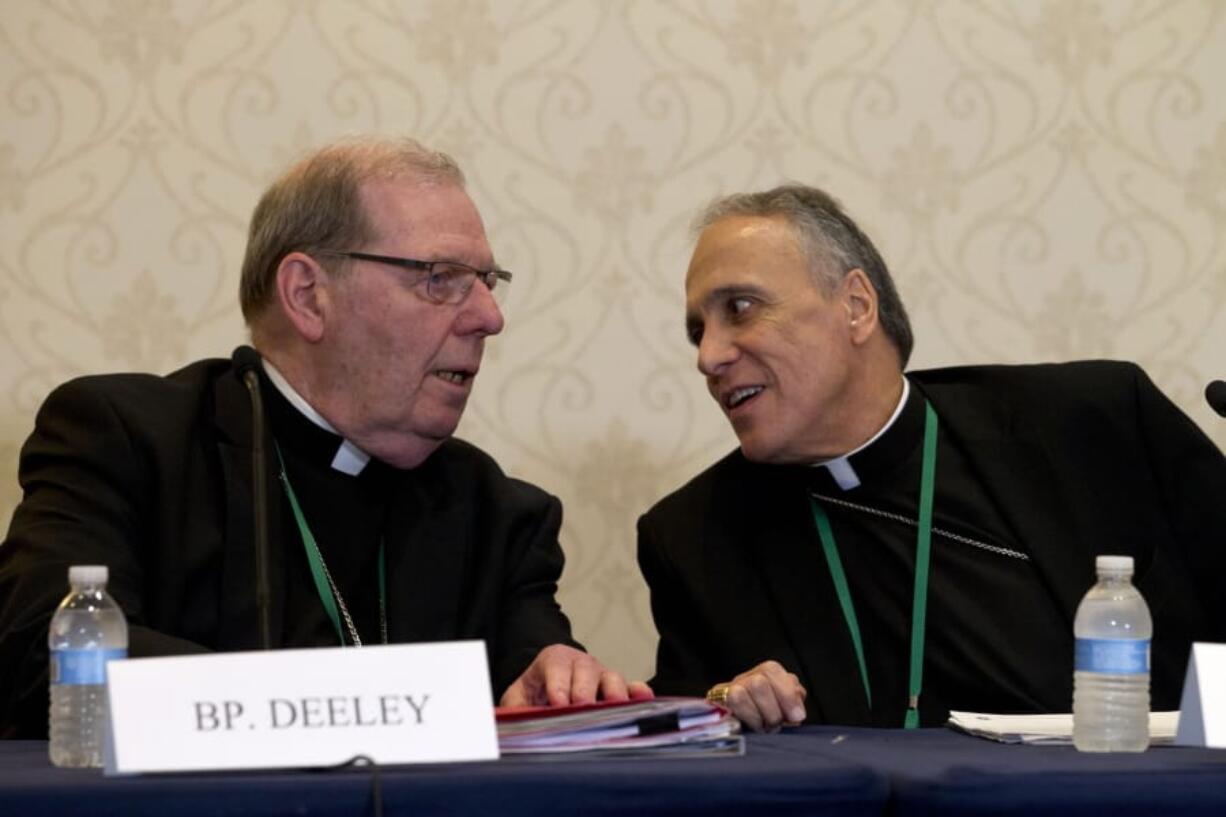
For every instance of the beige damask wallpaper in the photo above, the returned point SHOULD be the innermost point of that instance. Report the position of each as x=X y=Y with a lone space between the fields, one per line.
x=1047 y=180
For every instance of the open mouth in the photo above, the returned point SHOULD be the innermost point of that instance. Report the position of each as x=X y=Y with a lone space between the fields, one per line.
x=741 y=396
x=454 y=376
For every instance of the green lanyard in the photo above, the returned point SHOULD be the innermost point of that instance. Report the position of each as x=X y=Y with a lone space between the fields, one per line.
x=328 y=592
x=919 y=601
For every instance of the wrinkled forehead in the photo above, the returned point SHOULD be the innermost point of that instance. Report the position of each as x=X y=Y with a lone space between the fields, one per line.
x=434 y=219
x=749 y=251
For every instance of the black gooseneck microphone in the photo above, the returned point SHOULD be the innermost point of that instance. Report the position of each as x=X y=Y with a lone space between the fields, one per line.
x=247 y=364
x=1215 y=394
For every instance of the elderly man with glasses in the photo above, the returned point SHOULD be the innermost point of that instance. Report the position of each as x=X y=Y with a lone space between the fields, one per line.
x=369 y=288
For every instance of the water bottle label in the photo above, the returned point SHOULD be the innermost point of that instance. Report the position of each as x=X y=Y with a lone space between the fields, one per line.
x=1112 y=656
x=82 y=666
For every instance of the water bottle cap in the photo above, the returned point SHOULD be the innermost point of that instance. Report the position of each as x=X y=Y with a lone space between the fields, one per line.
x=1114 y=563
x=87 y=574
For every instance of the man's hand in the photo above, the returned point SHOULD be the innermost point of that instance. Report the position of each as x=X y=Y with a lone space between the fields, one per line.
x=765 y=697
x=561 y=675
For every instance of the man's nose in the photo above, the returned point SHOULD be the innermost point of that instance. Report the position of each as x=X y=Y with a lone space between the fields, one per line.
x=480 y=312
x=715 y=351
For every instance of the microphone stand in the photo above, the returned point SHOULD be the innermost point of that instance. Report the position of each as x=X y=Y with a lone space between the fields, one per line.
x=260 y=510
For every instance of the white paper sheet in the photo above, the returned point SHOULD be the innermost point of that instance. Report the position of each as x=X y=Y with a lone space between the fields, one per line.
x=1056 y=729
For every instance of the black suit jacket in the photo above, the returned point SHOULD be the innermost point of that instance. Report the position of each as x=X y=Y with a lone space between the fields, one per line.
x=1082 y=459
x=152 y=477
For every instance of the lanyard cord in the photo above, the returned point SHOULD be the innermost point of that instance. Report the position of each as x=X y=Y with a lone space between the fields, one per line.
x=329 y=593
x=919 y=600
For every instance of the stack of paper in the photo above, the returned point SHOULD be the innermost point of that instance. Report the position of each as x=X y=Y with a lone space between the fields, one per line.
x=662 y=726
x=1046 y=729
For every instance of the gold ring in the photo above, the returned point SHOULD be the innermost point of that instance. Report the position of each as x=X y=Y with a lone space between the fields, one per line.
x=718 y=694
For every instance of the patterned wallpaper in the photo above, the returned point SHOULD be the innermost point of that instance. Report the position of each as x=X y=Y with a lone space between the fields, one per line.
x=1047 y=180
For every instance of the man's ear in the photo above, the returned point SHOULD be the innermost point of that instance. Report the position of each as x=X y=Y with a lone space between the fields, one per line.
x=860 y=300
x=303 y=293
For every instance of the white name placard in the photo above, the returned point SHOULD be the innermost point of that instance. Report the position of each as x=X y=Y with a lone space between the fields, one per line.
x=1202 y=710
x=407 y=703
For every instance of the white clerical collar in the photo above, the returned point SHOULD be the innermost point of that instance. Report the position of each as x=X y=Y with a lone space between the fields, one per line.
x=349 y=458
x=840 y=468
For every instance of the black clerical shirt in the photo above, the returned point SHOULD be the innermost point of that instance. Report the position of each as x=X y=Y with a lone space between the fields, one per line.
x=348 y=515
x=971 y=651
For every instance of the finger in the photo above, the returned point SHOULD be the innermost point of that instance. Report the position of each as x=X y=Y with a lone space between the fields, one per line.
x=789 y=693
x=557 y=682
x=613 y=687
x=792 y=702
x=515 y=695
x=585 y=679
x=639 y=691
x=762 y=690
x=742 y=705
x=789 y=697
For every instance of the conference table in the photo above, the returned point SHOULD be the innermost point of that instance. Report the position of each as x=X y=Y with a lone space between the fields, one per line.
x=805 y=771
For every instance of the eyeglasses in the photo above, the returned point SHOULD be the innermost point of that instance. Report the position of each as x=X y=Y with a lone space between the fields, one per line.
x=447 y=282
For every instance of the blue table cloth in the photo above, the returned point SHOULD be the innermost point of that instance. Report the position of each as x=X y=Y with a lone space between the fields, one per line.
x=940 y=772
x=806 y=771
x=767 y=780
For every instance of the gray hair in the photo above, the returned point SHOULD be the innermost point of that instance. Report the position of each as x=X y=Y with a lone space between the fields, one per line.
x=316 y=204
x=832 y=243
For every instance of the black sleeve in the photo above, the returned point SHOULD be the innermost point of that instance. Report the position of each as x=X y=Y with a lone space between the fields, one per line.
x=1191 y=474
x=84 y=496
x=680 y=665
x=530 y=617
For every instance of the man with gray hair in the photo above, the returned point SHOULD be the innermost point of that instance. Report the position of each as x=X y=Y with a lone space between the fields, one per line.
x=369 y=288
x=883 y=547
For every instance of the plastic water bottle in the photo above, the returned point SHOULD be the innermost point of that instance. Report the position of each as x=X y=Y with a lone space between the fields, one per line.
x=1111 y=667
x=87 y=630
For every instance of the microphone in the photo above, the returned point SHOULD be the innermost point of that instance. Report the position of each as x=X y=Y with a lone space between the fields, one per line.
x=1215 y=394
x=247 y=364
